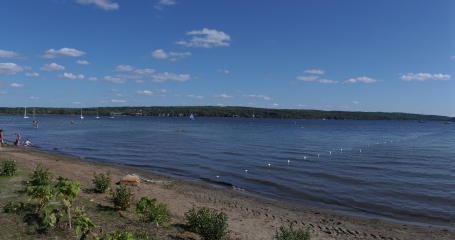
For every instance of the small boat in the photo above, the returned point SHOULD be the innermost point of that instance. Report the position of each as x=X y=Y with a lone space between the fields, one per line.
x=82 y=117
x=110 y=117
x=448 y=122
x=192 y=117
x=25 y=113
x=97 y=117
x=421 y=120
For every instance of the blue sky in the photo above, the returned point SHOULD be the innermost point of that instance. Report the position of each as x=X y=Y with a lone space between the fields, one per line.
x=391 y=56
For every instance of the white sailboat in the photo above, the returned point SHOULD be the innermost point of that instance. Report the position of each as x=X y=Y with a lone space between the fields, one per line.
x=82 y=117
x=192 y=117
x=25 y=113
x=448 y=122
x=97 y=117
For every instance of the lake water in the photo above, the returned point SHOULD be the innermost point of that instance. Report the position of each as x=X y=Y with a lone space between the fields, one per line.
x=401 y=170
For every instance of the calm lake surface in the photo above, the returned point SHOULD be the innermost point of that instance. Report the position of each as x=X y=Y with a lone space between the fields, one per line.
x=401 y=170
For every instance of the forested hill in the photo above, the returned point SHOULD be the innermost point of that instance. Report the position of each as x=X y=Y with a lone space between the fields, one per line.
x=208 y=111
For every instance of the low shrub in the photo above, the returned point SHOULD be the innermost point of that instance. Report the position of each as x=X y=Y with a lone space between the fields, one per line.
x=40 y=177
x=122 y=197
x=150 y=211
x=102 y=182
x=9 y=168
x=289 y=233
x=208 y=224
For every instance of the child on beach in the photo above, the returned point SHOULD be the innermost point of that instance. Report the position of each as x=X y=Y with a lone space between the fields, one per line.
x=18 y=140
x=27 y=143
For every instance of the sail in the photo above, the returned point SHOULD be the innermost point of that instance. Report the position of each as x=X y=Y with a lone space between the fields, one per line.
x=192 y=117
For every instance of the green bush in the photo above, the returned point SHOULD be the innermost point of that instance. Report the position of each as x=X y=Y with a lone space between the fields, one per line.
x=149 y=211
x=206 y=223
x=9 y=168
x=291 y=234
x=40 y=177
x=102 y=182
x=115 y=235
x=122 y=197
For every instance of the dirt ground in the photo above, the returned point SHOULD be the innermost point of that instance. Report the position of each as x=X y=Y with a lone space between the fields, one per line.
x=249 y=217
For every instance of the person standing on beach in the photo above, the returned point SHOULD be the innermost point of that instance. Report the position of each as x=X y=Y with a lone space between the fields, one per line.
x=1 y=138
x=18 y=138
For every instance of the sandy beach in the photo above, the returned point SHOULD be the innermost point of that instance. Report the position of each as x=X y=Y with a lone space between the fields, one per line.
x=249 y=216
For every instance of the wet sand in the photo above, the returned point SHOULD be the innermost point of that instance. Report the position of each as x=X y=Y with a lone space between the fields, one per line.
x=249 y=216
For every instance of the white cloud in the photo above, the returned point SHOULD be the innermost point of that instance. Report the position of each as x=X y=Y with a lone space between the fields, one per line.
x=315 y=71
x=115 y=90
x=193 y=96
x=52 y=67
x=274 y=105
x=452 y=57
x=9 y=68
x=117 y=101
x=32 y=74
x=3 y=92
x=76 y=103
x=307 y=78
x=424 y=76
x=139 y=81
x=162 y=3
x=362 y=79
x=163 y=77
x=210 y=38
x=259 y=96
x=71 y=76
x=124 y=68
x=219 y=104
x=160 y=54
x=93 y=79
x=144 y=71
x=301 y=105
x=103 y=4
x=173 y=56
x=176 y=56
x=16 y=85
x=223 y=71
x=8 y=54
x=327 y=81
x=64 y=52
x=223 y=96
x=27 y=68
x=145 y=93
x=82 y=62
x=355 y=102
x=164 y=91
x=114 y=79
x=32 y=97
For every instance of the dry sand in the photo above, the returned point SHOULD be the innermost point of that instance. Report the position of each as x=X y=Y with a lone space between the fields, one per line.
x=250 y=217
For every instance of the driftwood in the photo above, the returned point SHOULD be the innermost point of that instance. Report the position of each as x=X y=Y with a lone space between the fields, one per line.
x=130 y=180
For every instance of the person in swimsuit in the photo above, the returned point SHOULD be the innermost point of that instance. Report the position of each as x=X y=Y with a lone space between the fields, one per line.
x=1 y=137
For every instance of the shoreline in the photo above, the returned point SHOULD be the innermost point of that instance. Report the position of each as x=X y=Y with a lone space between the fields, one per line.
x=251 y=216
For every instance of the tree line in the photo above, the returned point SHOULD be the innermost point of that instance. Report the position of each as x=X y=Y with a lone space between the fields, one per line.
x=215 y=111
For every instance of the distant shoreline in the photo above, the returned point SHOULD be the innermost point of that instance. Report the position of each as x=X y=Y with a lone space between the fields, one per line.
x=228 y=111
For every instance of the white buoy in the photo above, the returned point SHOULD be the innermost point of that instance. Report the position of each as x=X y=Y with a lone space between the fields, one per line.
x=289 y=161
x=330 y=152
x=318 y=155
x=304 y=158
x=217 y=176
x=268 y=164
x=246 y=170
x=360 y=150
x=341 y=150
